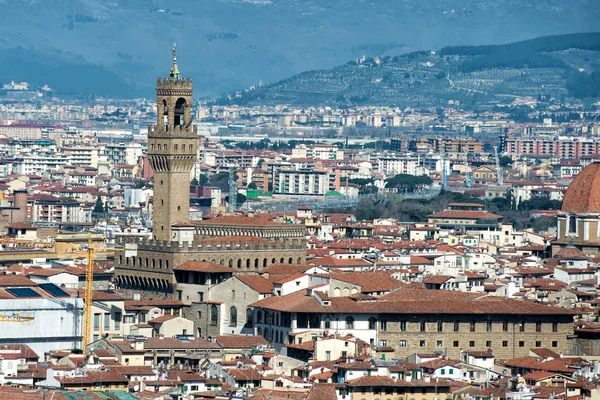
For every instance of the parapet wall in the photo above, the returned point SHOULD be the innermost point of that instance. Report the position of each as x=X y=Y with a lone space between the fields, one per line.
x=214 y=245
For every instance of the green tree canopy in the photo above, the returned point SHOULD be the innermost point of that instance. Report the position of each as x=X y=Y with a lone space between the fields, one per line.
x=408 y=182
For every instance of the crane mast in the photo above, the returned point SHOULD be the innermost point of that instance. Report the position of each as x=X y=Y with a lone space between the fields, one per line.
x=87 y=306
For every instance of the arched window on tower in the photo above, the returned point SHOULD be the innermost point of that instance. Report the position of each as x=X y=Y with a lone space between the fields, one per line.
x=179 y=112
x=572 y=224
x=165 y=113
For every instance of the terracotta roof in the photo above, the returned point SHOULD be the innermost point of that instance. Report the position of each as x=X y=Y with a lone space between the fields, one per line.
x=260 y=284
x=202 y=266
x=245 y=374
x=162 y=318
x=583 y=194
x=15 y=280
x=239 y=220
x=369 y=281
x=241 y=342
x=570 y=252
x=410 y=301
x=24 y=351
x=286 y=269
x=436 y=279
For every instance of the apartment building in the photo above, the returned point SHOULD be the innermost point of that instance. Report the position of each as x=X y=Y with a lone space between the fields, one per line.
x=303 y=182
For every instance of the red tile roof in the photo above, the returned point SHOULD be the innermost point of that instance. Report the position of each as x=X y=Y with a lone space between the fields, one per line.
x=583 y=194
x=202 y=266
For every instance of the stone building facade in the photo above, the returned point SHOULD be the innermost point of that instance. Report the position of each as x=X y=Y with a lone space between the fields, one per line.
x=419 y=321
x=217 y=248
x=508 y=335
x=172 y=152
x=147 y=266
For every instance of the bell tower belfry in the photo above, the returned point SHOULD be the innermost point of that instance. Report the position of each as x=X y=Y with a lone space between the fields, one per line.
x=172 y=152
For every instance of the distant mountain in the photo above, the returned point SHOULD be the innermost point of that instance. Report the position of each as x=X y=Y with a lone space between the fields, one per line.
x=118 y=47
x=560 y=66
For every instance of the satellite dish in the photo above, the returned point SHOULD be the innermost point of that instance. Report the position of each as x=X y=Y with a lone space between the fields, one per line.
x=136 y=388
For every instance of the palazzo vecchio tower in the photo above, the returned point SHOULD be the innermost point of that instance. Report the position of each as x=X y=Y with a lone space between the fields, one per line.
x=172 y=148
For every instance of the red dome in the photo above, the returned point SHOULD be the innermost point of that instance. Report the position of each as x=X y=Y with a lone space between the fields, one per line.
x=583 y=194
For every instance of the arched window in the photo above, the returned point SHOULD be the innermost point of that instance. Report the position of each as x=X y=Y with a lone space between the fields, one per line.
x=233 y=316
x=259 y=317
x=336 y=292
x=249 y=317
x=179 y=111
x=349 y=323
x=572 y=224
x=214 y=315
x=266 y=336
x=176 y=147
x=327 y=323
x=372 y=323
x=239 y=264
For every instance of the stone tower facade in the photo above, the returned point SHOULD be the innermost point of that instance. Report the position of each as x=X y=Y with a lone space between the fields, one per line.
x=172 y=152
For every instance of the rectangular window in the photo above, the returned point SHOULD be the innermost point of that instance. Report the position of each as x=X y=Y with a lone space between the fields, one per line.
x=383 y=343
x=456 y=326
x=538 y=326
x=421 y=343
x=504 y=326
x=505 y=343
x=488 y=327
x=555 y=327
x=538 y=343
x=96 y=322
x=440 y=326
x=402 y=343
x=554 y=343
x=327 y=356
x=129 y=319
x=443 y=371
x=522 y=326
x=422 y=326
x=403 y=326
x=455 y=343
x=488 y=343
x=439 y=343
x=451 y=371
x=521 y=343
x=472 y=326
x=383 y=325
x=471 y=343
x=118 y=317
x=106 y=322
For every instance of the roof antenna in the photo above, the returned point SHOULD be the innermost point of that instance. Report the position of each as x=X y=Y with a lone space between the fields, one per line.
x=174 y=52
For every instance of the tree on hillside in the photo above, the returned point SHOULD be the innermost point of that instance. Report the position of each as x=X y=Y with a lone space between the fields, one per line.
x=408 y=183
x=98 y=207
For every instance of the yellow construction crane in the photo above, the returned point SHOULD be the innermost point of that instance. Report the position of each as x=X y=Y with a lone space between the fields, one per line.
x=87 y=306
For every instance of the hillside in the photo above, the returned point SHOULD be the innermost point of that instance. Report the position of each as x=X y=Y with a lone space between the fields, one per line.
x=118 y=47
x=559 y=66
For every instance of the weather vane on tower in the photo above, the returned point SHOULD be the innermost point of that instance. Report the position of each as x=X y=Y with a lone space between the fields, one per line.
x=174 y=52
